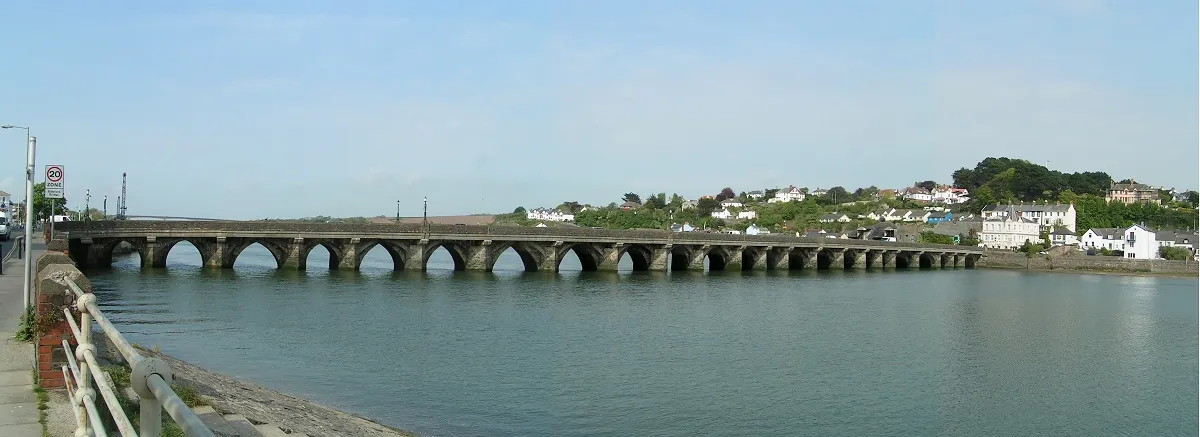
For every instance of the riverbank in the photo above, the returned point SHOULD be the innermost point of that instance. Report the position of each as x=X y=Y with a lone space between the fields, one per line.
x=1083 y=264
x=262 y=405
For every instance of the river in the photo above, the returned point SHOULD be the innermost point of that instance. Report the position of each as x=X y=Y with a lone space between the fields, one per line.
x=440 y=353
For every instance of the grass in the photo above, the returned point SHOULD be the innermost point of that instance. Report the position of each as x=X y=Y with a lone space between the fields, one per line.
x=187 y=393
x=25 y=328
x=42 y=400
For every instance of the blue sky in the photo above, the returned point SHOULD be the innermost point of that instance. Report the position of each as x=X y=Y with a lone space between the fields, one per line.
x=295 y=108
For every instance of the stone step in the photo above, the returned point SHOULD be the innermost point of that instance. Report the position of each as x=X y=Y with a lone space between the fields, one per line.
x=272 y=431
x=215 y=422
x=243 y=427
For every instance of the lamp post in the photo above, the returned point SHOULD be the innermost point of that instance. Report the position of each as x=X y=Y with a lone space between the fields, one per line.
x=87 y=202
x=31 y=148
x=425 y=216
x=105 y=206
x=397 y=211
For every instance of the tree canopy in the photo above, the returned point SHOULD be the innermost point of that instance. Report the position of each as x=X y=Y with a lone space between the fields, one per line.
x=1018 y=180
x=41 y=205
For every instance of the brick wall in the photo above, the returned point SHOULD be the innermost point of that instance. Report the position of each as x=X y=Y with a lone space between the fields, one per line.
x=50 y=324
x=1084 y=263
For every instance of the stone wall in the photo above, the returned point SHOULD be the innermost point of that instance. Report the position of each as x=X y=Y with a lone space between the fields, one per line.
x=1083 y=263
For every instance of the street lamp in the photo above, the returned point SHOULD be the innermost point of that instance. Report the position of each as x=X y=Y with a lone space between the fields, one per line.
x=425 y=216
x=397 y=211
x=31 y=143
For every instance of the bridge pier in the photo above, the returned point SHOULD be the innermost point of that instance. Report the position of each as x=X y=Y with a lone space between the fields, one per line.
x=296 y=258
x=733 y=260
x=873 y=259
x=860 y=259
x=696 y=258
x=958 y=260
x=888 y=259
x=837 y=259
x=779 y=258
x=755 y=259
x=610 y=256
x=658 y=258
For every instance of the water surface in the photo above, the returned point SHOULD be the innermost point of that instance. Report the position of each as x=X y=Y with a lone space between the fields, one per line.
x=963 y=353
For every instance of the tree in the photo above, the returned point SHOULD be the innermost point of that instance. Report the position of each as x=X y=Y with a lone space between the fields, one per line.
x=1193 y=198
x=654 y=202
x=676 y=201
x=42 y=205
x=705 y=206
x=519 y=210
x=928 y=185
x=838 y=194
x=632 y=197
x=726 y=193
x=570 y=207
x=1173 y=253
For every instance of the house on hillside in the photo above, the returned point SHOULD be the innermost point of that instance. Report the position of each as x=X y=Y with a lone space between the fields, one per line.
x=731 y=203
x=747 y=214
x=949 y=195
x=628 y=205
x=918 y=194
x=756 y=194
x=894 y=215
x=1132 y=193
x=915 y=215
x=834 y=217
x=722 y=214
x=546 y=214
x=939 y=217
x=789 y=194
x=689 y=204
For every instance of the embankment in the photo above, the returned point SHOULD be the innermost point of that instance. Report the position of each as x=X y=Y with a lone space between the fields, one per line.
x=1089 y=264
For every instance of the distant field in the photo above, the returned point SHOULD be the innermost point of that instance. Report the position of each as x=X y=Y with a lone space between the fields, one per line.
x=441 y=220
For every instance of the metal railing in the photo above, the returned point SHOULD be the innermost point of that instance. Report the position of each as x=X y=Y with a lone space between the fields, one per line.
x=149 y=377
x=17 y=248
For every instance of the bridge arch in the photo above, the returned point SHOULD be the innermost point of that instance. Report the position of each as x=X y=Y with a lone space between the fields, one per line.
x=926 y=260
x=335 y=252
x=456 y=252
x=798 y=259
x=398 y=253
x=102 y=254
x=750 y=255
x=639 y=254
x=903 y=260
x=277 y=250
x=681 y=257
x=589 y=256
x=718 y=258
x=529 y=254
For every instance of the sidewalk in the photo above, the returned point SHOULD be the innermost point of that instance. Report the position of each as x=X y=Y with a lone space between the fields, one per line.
x=18 y=403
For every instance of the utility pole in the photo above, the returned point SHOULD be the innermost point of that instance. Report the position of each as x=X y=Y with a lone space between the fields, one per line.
x=106 y=207
x=87 y=201
x=397 y=211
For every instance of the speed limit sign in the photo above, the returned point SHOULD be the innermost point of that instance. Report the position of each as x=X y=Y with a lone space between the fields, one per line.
x=54 y=182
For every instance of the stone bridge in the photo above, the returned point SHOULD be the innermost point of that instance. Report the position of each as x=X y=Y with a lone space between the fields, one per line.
x=91 y=244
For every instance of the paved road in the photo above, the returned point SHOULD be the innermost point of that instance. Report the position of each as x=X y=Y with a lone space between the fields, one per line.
x=18 y=406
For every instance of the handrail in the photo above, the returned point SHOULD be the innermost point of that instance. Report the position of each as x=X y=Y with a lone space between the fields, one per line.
x=17 y=246
x=149 y=378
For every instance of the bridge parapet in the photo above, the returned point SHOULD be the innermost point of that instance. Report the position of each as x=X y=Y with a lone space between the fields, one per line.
x=478 y=247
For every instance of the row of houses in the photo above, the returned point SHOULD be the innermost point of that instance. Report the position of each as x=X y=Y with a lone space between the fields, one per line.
x=943 y=194
x=1137 y=241
x=893 y=215
x=547 y=214
x=1047 y=215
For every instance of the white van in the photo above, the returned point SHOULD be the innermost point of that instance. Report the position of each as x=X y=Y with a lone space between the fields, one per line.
x=5 y=227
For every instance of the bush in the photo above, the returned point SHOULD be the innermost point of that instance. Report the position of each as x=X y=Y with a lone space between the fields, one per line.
x=1173 y=253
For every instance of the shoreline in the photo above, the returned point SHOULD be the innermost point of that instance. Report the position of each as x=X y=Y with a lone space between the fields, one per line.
x=1179 y=275
x=259 y=404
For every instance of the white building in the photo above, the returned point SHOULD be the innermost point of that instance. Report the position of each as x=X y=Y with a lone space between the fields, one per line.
x=1046 y=214
x=731 y=203
x=834 y=217
x=1102 y=238
x=1140 y=242
x=789 y=194
x=1061 y=236
x=1009 y=232
x=949 y=195
x=747 y=215
x=723 y=214
x=755 y=230
x=553 y=215
x=918 y=194
x=756 y=194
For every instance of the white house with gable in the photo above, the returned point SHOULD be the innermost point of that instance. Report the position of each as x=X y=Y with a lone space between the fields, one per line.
x=545 y=214
x=747 y=214
x=722 y=214
x=789 y=194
